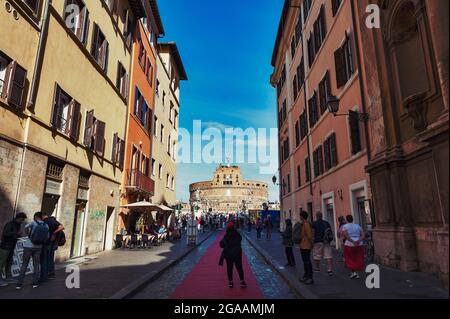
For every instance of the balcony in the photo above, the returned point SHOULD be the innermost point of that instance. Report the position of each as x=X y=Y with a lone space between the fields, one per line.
x=137 y=182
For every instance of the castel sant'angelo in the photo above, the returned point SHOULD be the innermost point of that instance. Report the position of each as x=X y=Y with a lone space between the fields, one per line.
x=228 y=192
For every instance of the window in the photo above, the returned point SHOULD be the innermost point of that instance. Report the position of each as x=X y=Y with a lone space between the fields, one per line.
x=118 y=150
x=303 y=125
x=142 y=58
x=157 y=88
x=330 y=152
x=80 y=26
x=313 y=110
x=66 y=116
x=324 y=92
x=295 y=87
x=283 y=76
x=307 y=170
x=293 y=47
x=172 y=183
x=298 y=29
x=33 y=5
x=318 y=162
x=306 y=9
x=156 y=126
x=297 y=133
x=168 y=180
x=100 y=48
x=128 y=28
x=111 y=5
x=284 y=111
x=162 y=133
x=320 y=30
x=164 y=98
x=311 y=50
x=172 y=113
x=142 y=111
x=299 y=176
x=153 y=167
x=12 y=81
x=343 y=59
x=301 y=74
x=335 y=5
x=355 y=132
x=289 y=183
x=122 y=80
x=149 y=72
x=160 y=171
x=94 y=134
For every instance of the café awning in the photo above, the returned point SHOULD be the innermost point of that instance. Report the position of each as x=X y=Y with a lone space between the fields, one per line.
x=149 y=206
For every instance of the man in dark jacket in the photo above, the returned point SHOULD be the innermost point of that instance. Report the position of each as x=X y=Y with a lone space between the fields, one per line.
x=322 y=243
x=11 y=233
x=49 y=249
x=288 y=243
x=232 y=252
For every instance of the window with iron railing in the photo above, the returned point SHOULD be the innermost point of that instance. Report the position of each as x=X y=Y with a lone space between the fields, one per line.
x=83 y=181
x=55 y=171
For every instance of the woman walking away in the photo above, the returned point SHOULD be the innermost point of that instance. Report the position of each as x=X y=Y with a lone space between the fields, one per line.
x=353 y=247
x=232 y=252
x=259 y=227
x=289 y=244
x=341 y=237
x=306 y=245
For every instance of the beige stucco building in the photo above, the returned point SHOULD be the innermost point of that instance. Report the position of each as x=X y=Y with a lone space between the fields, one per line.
x=228 y=192
x=60 y=83
x=170 y=71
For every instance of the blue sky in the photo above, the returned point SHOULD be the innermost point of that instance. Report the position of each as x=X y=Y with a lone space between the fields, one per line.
x=226 y=47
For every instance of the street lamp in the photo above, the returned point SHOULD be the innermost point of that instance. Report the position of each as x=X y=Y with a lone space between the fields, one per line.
x=333 y=107
x=274 y=180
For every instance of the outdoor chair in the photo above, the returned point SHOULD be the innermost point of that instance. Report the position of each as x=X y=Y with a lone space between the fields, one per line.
x=133 y=241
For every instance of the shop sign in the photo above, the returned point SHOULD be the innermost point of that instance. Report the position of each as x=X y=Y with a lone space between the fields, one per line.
x=52 y=187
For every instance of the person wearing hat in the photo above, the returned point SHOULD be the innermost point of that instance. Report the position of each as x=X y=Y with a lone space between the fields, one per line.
x=232 y=253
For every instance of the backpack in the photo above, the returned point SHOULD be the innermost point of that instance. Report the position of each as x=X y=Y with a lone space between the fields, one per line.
x=297 y=233
x=61 y=239
x=39 y=234
x=328 y=236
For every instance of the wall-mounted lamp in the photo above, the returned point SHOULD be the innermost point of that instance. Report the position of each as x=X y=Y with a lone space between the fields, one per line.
x=333 y=107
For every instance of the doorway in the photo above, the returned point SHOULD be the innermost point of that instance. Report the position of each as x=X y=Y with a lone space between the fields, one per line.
x=109 y=229
x=50 y=204
x=78 y=230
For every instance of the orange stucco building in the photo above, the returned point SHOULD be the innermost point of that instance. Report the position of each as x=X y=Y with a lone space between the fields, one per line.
x=137 y=184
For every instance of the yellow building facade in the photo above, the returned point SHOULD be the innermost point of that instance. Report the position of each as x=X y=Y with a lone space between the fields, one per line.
x=63 y=123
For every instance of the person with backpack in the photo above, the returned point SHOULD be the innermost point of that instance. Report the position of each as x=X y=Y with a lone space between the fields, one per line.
x=323 y=236
x=232 y=253
x=37 y=235
x=57 y=238
x=10 y=234
x=289 y=244
x=306 y=245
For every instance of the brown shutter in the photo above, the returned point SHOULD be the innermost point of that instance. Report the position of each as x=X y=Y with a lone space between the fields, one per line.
x=88 y=131
x=326 y=150
x=322 y=96
x=16 y=85
x=339 y=60
x=320 y=160
x=115 y=146
x=121 y=153
x=56 y=98
x=76 y=120
x=94 y=48
x=80 y=26
x=4 y=92
x=333 y=151
x=99 y=142
x=69 y=120
x=85 y=32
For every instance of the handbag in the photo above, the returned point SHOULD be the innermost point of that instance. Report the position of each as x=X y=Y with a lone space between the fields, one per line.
x=222 y=258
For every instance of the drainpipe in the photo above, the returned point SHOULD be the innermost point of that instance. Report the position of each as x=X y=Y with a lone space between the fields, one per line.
x=39 y=55
x=361 y=80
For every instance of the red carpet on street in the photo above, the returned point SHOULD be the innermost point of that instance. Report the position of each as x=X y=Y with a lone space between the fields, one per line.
x=208 y=280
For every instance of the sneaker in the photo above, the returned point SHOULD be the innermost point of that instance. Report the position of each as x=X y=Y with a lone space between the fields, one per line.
x=330 y=273
x=35 y=286
x=3 y=284
x=230 y=284
x=243 y=284
x=354 y=275
x=18 y=287
x=309 y=281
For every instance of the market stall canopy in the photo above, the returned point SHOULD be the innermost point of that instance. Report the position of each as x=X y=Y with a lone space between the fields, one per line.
x=165 y=208
x=143 y=204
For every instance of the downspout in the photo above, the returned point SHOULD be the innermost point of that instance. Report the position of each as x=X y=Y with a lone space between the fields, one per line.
x=361 y=82
x=39 y=55
x=31 y=101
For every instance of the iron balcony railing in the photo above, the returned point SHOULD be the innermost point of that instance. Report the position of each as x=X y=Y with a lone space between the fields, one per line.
x=140 y=181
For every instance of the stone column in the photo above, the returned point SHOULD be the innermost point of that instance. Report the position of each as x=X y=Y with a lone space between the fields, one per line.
x=438 y=19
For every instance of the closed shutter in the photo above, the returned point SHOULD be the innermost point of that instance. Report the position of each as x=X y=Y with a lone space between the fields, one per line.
x=121 y=153
x=95 y=48
x=16 y=85
x=339 y=60
x=323 y=24
x=99 y=140
x=80 y=24
x=326 y=150
x=4 y=92
x=73 y=121
x=355 y=133
x=322 y=97
x=89 y=129
x=316 y=163
x=84 y=34
x=320 y=160
x=333 y=151
x=56 y=105
x=105 y=55
x=114 y=153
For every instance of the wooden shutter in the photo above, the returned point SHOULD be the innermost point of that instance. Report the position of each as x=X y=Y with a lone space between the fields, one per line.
x=89 y=129
x=320 y=160
x=333 y=151
x=105 y=56
x=322 y=97
x=326 y=150
x=99 y=139
x=69 y=119
x=339 y=60
x=84 y=34
x=114 y=153
x=355 y=133
x=79 y=27
x=16 y=85
x=4 y=92
x=121 y=153
x=56 y=105
x=95 y=48
x=76 y=120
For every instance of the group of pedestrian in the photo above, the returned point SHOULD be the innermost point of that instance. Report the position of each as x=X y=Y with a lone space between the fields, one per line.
x=266 y=224
x=316 y=239
x=40 y=240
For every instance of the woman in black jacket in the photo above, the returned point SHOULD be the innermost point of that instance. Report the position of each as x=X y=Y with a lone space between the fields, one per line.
x=232 y=252
x=289 y=244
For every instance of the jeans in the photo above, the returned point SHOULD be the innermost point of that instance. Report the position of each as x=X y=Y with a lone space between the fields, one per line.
x=290 y=256
x=237 y=262
x=5 y=263
x=306 y=258
x=258 y=233
x=28 y=253
x=269 y=234
x=47 y=261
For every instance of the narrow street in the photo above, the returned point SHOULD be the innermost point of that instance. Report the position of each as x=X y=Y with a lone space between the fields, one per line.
x=198 y=276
